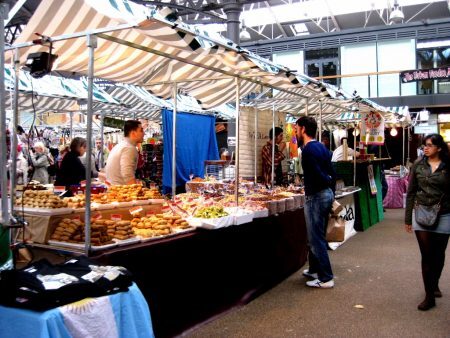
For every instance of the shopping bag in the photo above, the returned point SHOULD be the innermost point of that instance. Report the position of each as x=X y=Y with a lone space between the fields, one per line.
x=336 y=208
x=335 y=229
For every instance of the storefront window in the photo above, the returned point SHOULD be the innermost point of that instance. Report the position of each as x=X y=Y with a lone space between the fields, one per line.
x=322 y=62
x=433 y=58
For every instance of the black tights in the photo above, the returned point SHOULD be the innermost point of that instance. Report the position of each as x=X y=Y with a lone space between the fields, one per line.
x=432 y=247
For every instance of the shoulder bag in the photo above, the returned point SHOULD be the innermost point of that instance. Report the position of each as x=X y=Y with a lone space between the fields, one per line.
x=427 y=215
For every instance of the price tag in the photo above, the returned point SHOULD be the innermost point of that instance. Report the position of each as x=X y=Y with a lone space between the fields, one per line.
x=76 y=218
x=149 y=213
x=116 y=217
x=57 y=189
x=97 y=215
x=136 y=210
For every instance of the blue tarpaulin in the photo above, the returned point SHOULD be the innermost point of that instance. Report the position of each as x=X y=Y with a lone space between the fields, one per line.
x=196 y=142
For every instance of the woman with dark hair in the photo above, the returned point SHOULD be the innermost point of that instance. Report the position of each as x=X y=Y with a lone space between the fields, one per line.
x=72 y=171
x=429 y=184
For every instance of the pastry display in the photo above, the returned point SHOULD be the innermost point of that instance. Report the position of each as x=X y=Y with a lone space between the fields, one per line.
x=118 y=229
x=158 y=225
x=72 y=231
x=40 y=199
x=76 y=202
x=211 y=212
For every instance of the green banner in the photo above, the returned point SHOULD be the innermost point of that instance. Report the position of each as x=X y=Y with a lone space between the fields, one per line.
x=5 y=252
x=113 y=123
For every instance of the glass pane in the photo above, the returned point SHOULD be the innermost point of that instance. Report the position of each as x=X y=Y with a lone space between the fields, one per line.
x=330 y=69
x=442 y=57
x=313 y=70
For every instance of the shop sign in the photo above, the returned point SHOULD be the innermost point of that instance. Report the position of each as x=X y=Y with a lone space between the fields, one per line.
x=231 y=141
x=426 y=129
x=425 y=74
x=372 y=128
x=113 y=123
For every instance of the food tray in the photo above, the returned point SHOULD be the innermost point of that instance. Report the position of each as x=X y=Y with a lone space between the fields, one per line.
x=210 y=223
x=101 y=206
x=103 y=247
x=128 y=241
x=66 y=244
x=45 y=211
x=242 y=219
x=180 y=231
x=141 y=202
x=122 y=204
x=156 y=201
x=261 y=213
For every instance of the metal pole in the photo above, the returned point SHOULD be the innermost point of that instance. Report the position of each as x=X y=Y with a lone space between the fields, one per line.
x=236 y=165
x=409 y=144
x=71 y=126
x=256 y=145
x=320 y=121
x=102 y=141
x=3 y=149
x=91 y=44
x=403 y=148
x=174 y=140
x=354 y=158
x=273 y=146
x=13 y=171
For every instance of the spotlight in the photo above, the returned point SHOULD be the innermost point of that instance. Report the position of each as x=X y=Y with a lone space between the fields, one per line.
x=394 y=132
x=40 y=64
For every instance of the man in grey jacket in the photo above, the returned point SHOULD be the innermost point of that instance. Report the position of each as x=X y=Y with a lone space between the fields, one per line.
x=122 y=160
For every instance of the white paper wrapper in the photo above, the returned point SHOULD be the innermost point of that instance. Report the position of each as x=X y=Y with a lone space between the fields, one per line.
x=261 y=213
x=290 y=203
x=281 y=206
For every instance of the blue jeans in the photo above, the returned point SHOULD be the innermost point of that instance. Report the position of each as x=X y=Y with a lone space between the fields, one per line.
x=317 y=209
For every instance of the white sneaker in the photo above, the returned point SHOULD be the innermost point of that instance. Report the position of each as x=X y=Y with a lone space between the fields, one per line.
x=312 y=275
x=322 y=285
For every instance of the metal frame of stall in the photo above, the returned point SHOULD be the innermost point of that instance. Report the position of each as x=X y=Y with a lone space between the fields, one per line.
x=91 y=44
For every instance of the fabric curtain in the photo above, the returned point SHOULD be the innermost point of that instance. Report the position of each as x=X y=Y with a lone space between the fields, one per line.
x=196 y=142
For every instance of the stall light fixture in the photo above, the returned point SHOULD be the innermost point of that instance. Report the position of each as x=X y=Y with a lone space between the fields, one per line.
x=394 y=132
x=244 y=35
x=355 y=132
x=396 y=15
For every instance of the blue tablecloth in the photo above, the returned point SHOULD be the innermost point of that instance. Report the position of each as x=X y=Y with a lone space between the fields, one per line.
x=129 y=311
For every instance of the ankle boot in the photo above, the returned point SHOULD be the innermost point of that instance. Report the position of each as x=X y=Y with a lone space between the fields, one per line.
x=427 y=304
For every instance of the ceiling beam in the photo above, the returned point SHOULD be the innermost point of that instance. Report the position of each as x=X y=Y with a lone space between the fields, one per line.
x=333 y=18
x=280 y=26
x=14 y=11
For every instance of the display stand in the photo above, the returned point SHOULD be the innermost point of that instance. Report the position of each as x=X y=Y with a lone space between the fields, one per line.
x=192 y=277
x=369 y=207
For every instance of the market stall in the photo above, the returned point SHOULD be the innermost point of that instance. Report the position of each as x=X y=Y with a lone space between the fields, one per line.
x=242 y=255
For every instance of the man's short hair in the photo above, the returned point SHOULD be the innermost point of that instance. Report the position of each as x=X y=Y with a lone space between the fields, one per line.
x=130 y=125
x=310 y=125
x=278 y=131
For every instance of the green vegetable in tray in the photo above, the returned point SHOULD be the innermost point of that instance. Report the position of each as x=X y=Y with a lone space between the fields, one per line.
x=211 y=212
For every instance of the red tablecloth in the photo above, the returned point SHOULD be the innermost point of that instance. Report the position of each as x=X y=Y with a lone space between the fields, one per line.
x=396 y=188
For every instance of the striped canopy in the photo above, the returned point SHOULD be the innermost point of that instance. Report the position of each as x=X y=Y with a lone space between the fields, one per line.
x=150 y=51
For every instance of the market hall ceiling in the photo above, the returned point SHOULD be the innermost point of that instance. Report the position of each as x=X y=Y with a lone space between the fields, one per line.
x=279 y=25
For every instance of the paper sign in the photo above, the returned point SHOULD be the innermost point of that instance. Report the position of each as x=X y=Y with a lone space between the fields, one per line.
x=97 y=215
x=57 y=189
x=149 y=213
x=372 y=128
x=76 y=218
x=116 y=217
x=136 y=210
x=373 y=186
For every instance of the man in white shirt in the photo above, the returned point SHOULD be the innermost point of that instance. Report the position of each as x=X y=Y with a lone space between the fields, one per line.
x=338 y=153
x=122 y=160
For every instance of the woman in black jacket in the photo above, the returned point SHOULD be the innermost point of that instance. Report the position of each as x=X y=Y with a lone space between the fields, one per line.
x=429 y=184
x=72 y=171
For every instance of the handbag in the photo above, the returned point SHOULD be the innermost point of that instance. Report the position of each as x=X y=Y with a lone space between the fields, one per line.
x=335 y=229
x=426 y=215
